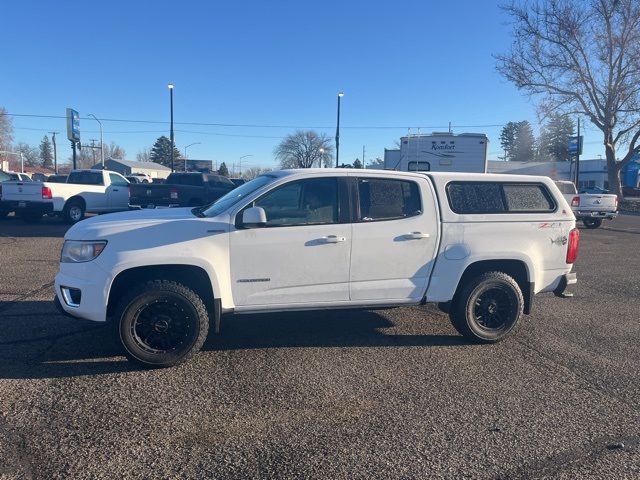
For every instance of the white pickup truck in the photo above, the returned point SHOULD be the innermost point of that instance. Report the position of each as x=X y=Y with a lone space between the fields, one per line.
x=591 y=208
x=479 y=245
x=85 y=191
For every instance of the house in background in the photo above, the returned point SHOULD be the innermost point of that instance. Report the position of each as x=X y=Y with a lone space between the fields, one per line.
x=127 y=167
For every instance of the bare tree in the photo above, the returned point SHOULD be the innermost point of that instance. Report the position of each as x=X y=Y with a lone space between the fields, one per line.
x=304 y=149
x=112 y=150
x=30 y=154
x=253 y=172
x=143 y=156
x=582 y=57
x=6 y=133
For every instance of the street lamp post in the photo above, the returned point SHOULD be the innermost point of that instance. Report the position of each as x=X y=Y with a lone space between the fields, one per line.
x=170 y=86
x=340 y=95
x=321 y=150
x=185 y=153
x=240 y=164
x=101 y=142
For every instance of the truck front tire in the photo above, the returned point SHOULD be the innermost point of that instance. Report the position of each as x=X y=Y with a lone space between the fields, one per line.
x=161 y=323
x=487 y=307
x=592 y=222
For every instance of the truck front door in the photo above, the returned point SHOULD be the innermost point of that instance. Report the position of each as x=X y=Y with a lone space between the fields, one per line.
x=118 y=192
x=394 y=238
x=302 y=254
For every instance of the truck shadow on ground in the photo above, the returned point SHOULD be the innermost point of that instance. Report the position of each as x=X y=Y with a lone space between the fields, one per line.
x=39 y=343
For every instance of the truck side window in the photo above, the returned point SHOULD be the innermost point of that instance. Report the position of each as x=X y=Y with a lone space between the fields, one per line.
x=117 y=180
x=499 y=197
x=382 y=199
x=527 y=198
x=306 y=202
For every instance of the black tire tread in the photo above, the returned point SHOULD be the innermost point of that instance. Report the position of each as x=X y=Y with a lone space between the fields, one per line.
x=67 y=207
x=169 y=286
x=457 y=312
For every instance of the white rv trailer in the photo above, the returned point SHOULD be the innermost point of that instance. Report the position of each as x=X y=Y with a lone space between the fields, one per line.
x=439 y=152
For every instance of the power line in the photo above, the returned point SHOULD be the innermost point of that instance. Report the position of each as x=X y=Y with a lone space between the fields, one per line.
x=255 y=125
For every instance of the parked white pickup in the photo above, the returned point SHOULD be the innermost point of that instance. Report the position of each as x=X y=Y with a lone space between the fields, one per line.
x=86 y=191
x=591 y=208
x=479 y=245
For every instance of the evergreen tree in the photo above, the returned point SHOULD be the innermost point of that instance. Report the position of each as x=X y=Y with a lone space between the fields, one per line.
x=518 y=141
x=554 y=138
x=357 y=163
x=161 y=153
x=46 y=154
x=525 y=142
x=508 y=140
x=223 y=170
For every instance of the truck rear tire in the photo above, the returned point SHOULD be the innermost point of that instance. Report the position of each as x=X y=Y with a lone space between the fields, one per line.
x=161 y=323
x=592 y=222
x=73 y=211
x=487 y=308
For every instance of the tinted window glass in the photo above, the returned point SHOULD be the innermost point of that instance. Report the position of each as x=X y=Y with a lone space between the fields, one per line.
x=117 y=180
x=306 y=202
x=182 y=179
x=85 y=178
x=494 y=197
x=419 y=166
x=527 y=198
x=567 y=188
x=4 y=177
x=382 y=199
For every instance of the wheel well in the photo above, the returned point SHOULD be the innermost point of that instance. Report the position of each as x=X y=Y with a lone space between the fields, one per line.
x=78 y=199
x=191 y=276
x=516 y=269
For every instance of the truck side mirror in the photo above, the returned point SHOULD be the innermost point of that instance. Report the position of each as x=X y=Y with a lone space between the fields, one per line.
x=254 y=217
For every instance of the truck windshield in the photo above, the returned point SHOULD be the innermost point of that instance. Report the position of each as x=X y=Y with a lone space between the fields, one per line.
x=234 y=196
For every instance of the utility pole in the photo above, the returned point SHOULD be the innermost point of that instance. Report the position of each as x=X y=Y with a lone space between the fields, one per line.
x=363 y=164
x=55 y=152
x=340 y=95
x=93 y=150
x=578 y=159
x=171 y=128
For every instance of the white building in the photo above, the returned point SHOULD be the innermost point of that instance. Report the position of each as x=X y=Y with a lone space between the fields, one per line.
x=127 y=167
x=593 y=172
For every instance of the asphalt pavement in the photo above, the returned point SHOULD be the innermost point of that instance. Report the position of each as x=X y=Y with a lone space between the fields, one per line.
x=341 y=394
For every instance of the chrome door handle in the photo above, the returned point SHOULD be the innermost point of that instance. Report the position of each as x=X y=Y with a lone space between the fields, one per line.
x=416 y=235
x=333 y=239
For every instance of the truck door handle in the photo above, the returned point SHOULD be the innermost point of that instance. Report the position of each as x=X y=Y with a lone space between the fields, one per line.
x=333 y=239
x=115 y=189
x=416 y=235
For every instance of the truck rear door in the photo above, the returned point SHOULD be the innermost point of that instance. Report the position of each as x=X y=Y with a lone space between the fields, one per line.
x=395 y=237
x=22 y=191
x=598 y=203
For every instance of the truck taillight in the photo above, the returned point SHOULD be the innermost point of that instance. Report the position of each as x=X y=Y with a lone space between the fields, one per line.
x=173 y=193
x=46 y=193
x=575 y=202
x=574 y=243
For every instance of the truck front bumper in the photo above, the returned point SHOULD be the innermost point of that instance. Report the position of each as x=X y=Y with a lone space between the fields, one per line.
x=566 y=280
x=83 y=297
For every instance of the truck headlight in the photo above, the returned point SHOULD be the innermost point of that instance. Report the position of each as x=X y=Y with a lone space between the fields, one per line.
x=76 y=251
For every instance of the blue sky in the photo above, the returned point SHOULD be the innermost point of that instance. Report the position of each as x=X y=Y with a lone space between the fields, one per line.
x=400 y=64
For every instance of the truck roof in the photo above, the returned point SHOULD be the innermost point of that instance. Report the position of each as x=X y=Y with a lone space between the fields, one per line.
x=437 y=176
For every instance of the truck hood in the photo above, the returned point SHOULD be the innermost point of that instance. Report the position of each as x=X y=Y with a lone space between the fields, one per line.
x=102 y=226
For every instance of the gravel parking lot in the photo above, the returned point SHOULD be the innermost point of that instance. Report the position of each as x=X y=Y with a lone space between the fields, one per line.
x=377 y=394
